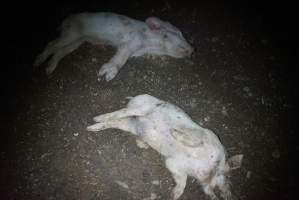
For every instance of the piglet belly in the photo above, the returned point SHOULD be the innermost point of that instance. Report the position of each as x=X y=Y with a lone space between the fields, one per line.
x=163 y=143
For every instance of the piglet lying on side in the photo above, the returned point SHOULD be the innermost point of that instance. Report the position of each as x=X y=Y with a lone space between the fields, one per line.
x=188 y=148
x=131 y=38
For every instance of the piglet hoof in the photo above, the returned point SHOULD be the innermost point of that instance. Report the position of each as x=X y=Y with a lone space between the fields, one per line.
x=109 y=70
x=96 y=127
x=37 y=61
x=49 y=71
x=176 y=194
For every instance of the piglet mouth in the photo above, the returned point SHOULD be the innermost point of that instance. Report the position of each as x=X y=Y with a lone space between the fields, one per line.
x=189 y=52
x=185 y=52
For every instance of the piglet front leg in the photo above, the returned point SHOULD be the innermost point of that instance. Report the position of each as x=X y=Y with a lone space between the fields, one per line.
x=111 y=68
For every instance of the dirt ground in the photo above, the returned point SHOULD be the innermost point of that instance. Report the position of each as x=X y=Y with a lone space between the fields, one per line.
x=236 y=84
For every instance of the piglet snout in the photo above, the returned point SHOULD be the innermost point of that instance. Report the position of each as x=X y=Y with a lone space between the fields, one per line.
x=189 y=51
x=186 y=51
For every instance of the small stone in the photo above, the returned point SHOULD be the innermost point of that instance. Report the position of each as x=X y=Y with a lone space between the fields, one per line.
x=155 y=182
x=262 y=100
x=193 y=104
x=45 y=155
x=214 y=39
x=225 y=126
x=94 y=60
x=246 y=89
x=276 y=154
x=248 y=174
x=141 y=144
x=122 y=184
x=224 y=111
x=153 y=196
x=206 y=119
x=76 y=134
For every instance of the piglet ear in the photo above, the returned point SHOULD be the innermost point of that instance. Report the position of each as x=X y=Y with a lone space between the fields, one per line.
x=235 y=162
x=154 y=23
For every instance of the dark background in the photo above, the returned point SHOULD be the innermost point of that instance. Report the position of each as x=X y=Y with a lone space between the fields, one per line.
x=28 y=26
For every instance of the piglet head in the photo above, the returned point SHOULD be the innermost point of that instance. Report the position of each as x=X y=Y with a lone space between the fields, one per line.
x=168 y=38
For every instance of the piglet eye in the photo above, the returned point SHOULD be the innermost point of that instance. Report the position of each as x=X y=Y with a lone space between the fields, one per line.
x=165 y=36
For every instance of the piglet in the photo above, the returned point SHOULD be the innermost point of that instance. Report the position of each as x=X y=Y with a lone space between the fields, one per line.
x=189 y=149
x=129 y=36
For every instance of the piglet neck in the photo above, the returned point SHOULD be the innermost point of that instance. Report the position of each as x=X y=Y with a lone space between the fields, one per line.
x=151 y=39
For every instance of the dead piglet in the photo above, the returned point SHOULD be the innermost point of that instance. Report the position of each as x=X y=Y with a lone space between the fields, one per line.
x=189 y=149
x=129 y=36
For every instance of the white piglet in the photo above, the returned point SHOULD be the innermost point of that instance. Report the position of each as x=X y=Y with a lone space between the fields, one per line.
x=131 y=38
x=188 y=148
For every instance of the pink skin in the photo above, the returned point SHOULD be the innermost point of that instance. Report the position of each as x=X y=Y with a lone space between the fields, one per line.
x=129 y=36
x=189 y=149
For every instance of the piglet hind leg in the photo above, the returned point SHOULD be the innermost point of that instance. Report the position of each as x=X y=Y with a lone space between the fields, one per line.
x=121 y=124
x=209 y=190
x=125 y=112
x=48 y=51
x=179 y=176
x=54 y=46
x=62 y=52
x=224 y=187
x=51 y=48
